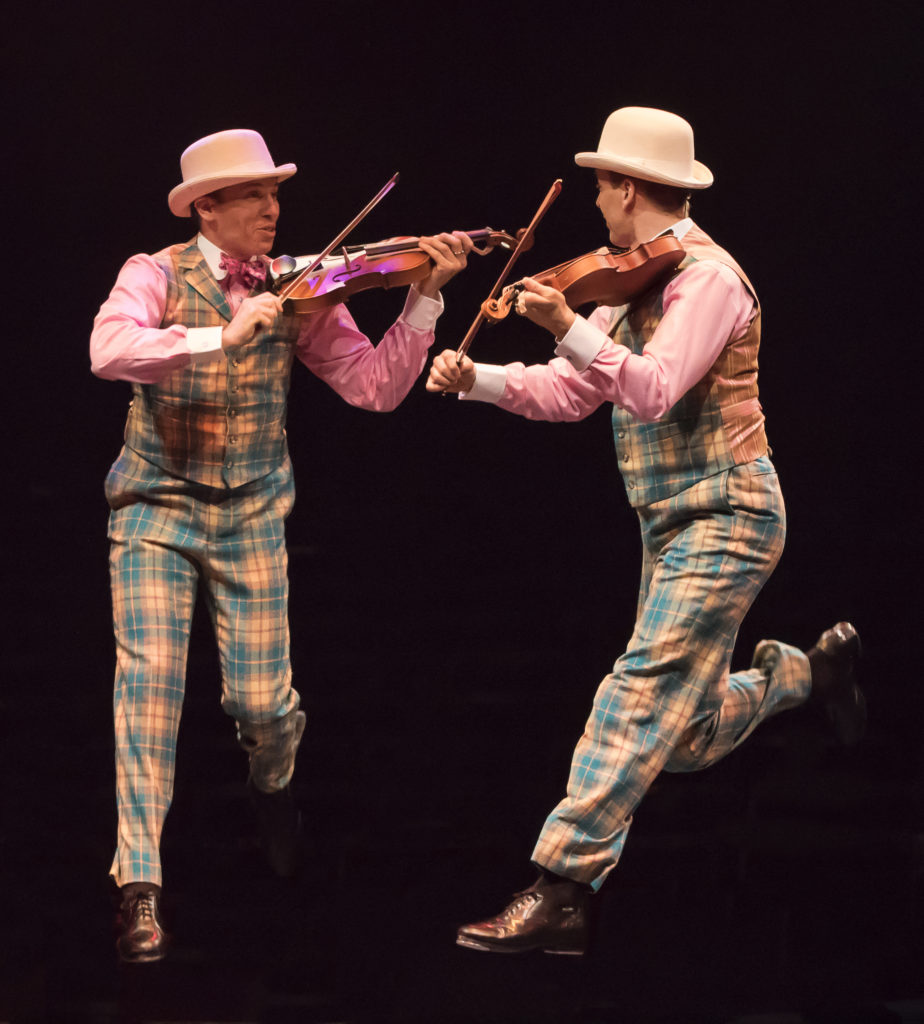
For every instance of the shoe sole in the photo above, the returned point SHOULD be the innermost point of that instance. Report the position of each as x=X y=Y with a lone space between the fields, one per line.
x=484 y=947
x=148 y=958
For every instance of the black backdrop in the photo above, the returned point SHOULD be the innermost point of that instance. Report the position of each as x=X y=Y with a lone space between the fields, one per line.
x=443 y=534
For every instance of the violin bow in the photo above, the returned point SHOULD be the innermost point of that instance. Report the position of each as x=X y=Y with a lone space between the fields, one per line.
x=318 y=260
x=524 y=243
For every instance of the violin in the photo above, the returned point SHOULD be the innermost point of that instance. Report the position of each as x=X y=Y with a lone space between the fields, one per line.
x=389 y=264
x=603 y=277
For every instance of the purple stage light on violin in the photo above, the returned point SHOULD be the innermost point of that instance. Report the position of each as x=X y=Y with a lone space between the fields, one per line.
x=391 y=264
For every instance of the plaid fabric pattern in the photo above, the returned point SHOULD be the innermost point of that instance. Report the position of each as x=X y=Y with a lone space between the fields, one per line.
x=716 y=425
x=168 y=536
x=670 y=701
x=215 y=423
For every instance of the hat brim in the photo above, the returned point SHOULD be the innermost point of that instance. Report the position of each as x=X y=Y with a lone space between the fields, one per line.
x=646 y=170
x=183 y=196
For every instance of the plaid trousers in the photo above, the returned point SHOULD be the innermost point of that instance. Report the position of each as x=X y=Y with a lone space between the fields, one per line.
x=670 y=701
x=167 y=536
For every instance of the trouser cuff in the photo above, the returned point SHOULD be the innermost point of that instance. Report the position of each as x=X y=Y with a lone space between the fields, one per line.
x=271 y=747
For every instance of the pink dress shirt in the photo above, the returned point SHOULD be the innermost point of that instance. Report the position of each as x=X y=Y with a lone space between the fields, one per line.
x=128 y=342
x=705 y=307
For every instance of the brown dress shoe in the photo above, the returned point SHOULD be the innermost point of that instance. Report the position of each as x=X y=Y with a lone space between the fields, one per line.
x=142 y=938
x=551 y=916
x=834 y=682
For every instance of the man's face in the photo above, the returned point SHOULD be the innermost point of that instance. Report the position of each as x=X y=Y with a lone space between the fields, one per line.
x=241 y=219
x=610 y=202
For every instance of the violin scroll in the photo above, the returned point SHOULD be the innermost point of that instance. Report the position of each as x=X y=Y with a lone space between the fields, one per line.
x=500 y=238
x=495 y=310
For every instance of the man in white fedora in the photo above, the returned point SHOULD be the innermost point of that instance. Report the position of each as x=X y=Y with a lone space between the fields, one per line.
x=203 y=484
x=679 y=364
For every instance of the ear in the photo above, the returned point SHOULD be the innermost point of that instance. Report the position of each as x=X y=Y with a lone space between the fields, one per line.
x=204 y=206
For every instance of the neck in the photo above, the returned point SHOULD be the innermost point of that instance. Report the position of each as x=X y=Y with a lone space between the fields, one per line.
x=646 y=225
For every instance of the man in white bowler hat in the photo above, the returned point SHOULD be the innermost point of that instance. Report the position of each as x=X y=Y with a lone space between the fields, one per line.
x=201 y=489
x=678 y=362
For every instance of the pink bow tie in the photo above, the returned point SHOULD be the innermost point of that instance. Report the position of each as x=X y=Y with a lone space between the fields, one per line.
x=249 y=271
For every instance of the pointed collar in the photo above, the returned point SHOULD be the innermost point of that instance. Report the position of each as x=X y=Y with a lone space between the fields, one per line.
x=193 y=263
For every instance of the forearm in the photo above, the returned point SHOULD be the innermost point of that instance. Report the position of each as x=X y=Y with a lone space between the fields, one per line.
x=128 y=343
x=373 y=377
x=121 y=350
x=555 y=391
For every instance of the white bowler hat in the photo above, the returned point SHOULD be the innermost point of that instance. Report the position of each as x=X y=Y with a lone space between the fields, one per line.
x=225 y=158
x=650 y=144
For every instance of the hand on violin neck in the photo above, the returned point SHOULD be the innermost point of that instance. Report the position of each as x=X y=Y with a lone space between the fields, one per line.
x=254 y=313
x=545 y=306
x=449 y=375
x=448 y=252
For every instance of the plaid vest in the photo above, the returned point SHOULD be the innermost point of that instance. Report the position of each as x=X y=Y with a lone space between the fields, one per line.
x=717 y=424
x=219 y=423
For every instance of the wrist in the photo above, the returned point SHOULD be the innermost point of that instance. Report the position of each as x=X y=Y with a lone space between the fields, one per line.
x=564 y=324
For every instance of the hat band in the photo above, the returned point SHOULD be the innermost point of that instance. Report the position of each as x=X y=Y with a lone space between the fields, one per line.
x=235 y=172
x=668 y=168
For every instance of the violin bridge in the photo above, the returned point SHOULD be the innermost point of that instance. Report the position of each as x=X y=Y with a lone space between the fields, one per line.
x=348 y=267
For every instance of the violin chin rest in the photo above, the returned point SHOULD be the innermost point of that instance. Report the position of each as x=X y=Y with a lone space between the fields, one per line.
x=282 y=265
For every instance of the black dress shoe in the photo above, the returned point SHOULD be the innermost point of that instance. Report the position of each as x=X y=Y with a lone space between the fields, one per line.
x=834 y=682
x=142 y=938
x=551 y=916
x=279 y=825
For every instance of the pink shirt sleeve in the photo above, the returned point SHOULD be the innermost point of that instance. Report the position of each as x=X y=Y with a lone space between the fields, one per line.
x=705 y=307
x=375 y=377
x=127 y=342
x=554 y=391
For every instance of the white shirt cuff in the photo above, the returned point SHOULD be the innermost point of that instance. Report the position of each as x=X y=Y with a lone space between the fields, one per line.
x=204 y=344
x=421 y=312
x=490 y=382
x=581 y=345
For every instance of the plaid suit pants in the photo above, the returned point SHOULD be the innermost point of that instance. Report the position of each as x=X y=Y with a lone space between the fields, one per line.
x=670 y=701
x=168 y=536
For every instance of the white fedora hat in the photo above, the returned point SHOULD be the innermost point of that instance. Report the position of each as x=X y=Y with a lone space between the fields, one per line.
x=650 y=144
x=225 y=158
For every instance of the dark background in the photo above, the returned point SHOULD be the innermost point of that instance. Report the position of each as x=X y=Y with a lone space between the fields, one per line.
x=462 y=579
